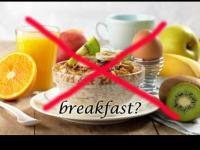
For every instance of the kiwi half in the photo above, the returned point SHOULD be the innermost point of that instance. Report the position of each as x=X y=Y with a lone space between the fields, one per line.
x=171 y=82
x=184 y=99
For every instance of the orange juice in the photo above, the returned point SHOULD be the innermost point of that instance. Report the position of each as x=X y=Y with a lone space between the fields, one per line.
x=42 y=50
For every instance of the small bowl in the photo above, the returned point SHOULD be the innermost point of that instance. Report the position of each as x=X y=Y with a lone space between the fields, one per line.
x=101 y=89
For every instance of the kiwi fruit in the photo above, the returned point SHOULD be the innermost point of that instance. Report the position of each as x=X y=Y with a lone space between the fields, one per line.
x=184 y=99
x=171 y=82
x=91 y=47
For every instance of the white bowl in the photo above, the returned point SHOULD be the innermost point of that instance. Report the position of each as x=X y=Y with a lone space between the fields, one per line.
x=97 y=90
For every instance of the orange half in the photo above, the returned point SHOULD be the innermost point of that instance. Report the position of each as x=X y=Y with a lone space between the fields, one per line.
x=17 y=75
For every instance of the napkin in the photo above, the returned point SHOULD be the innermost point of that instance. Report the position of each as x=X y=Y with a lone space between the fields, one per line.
x=189 y=128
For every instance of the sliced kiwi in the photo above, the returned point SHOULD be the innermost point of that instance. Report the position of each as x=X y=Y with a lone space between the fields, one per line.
x=91 y=47
x=184 y=99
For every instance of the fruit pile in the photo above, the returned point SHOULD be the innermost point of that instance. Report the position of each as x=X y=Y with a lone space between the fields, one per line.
x=181 y=91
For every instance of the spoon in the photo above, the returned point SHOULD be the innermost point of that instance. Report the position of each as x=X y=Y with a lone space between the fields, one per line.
x=22 y=118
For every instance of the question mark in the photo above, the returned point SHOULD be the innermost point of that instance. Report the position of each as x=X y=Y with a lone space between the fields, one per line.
x=137 y=107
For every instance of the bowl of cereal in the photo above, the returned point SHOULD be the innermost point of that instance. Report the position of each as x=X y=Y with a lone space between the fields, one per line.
x=101 y=88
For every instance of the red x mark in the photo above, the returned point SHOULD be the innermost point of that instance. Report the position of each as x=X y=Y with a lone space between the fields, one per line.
x=104 y=69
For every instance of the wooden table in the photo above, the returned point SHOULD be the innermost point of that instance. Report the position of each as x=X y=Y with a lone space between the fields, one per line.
x=52 y=126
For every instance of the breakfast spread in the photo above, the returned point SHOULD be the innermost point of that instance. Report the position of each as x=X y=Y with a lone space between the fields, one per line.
x=174 y=54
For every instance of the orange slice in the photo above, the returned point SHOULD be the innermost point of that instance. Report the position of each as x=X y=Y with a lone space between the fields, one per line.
x=17 y=75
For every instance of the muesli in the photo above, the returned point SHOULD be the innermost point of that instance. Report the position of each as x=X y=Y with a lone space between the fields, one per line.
x=101 y=88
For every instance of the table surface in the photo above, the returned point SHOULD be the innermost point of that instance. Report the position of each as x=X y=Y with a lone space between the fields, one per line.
x=52 y=126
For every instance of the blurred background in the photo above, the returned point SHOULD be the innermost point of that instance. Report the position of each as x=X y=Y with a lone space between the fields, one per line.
x=85 y=15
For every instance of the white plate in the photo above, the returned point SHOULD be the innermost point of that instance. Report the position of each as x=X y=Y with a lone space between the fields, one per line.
x=40 y=99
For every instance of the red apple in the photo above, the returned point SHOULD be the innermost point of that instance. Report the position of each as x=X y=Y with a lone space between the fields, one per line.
x=74 y=39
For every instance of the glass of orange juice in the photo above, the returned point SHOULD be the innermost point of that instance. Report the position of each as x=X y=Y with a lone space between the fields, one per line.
x=42 y=50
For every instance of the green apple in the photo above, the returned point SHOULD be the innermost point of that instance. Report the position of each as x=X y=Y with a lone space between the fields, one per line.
x=179 y=39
